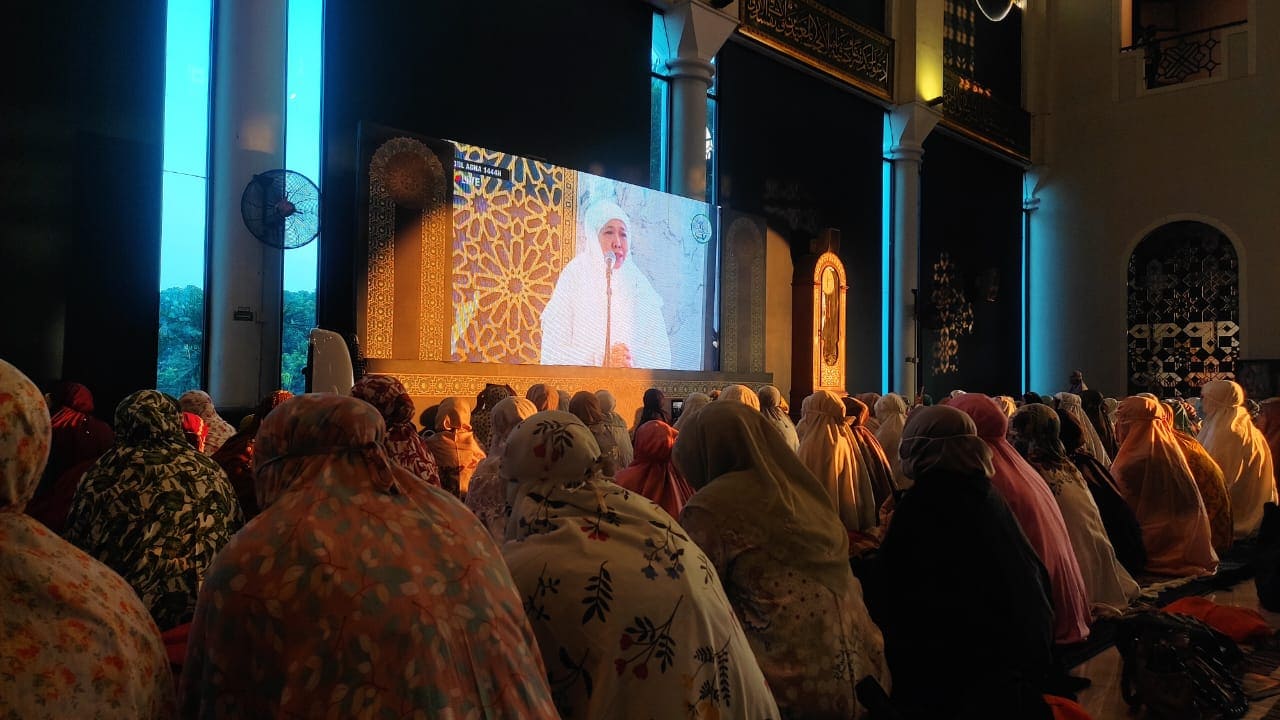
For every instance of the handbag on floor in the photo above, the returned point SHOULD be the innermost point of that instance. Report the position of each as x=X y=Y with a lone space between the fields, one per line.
x=1179 y=667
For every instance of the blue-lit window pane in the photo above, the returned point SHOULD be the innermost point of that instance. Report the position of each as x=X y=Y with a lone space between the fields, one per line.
x=184 y=204
x=303 y=73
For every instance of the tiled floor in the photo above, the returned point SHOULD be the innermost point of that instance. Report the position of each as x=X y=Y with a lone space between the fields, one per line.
x=1103 y=700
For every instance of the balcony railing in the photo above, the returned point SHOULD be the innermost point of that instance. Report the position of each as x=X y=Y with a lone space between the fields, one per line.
x=972 y=109
x=1182 y=58
x=818 y=37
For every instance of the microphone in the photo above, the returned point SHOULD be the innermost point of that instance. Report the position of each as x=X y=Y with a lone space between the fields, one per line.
x=610 y=259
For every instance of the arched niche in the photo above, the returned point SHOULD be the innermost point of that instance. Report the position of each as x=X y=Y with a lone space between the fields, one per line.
x=819 y=323
x=1183 y=309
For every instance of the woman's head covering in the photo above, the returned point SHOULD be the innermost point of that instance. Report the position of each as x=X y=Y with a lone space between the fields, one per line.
x=220 y=431
x=1235 y=443
x=428 y=419
x=549 y=449
x=693 y=402
x=855 y=411
x=485 y=400
x=943 y=440
x=236 y=454
x=741 y=394
x=891 y=414
x=829 y=450
x=564 y=398
x=599 y=215
x=654 y=407
x=1034 y=432
x=1006 y=404
x=454 y=446
x=24 y=440
x=608 y=403
x=1037 y=512
x=77 y=640
x=586 y=407
x=352 y=552
x=153 y=508
x=748 y=480
x=487 y=494
x=543 y=397
x=1155 y=479
x=653 y=473
x=770 y=399
x=1093 y=441
x=78 y=437
x=389 y=397
x=194 y=430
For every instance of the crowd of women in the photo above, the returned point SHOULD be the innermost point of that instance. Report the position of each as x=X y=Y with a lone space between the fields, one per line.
x=317 y=561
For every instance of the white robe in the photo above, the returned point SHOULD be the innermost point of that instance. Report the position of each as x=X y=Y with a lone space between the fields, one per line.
x=1239 y=448
x=573 y=323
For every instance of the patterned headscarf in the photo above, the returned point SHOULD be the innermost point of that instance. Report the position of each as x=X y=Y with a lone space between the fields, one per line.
x=454 y=446
x=1093 y=441
x=25 y=437
x=491 y=395
x=76 y=638
x=487 y=495
x=220 y=431
x=359 y=591
x=154 y=509
x=609 y=580
x=402 y=444
x=1034 y=431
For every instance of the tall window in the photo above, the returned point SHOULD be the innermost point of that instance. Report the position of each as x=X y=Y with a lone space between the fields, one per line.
x=180 y=361
x=659 y=108
x=302 y=154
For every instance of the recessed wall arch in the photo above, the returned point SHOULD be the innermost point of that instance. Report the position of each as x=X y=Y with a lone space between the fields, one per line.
x=1183 y=307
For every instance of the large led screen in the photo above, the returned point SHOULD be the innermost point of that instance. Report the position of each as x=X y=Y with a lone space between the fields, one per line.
x=559 y=267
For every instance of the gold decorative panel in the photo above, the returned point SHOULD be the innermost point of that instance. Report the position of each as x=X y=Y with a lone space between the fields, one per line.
x=511 y=241
x=742 y=292
x=830 y=287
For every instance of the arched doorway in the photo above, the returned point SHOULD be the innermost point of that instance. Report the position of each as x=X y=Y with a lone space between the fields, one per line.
x=1184 y=309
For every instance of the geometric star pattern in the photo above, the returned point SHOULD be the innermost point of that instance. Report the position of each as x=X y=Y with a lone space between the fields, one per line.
x=1183 y=309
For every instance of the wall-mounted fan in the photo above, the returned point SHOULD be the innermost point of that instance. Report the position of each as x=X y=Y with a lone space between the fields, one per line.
x=281 y=208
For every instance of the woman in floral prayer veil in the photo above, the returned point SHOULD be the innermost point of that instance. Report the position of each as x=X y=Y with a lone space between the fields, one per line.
x=155 y=509
x=768 y=527
x=76 y=642
x=629 y=612
x=358 y=592
x=487 y=496
x=402 y=444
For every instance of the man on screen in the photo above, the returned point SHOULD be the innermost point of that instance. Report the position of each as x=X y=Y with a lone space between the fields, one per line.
x=602 y=297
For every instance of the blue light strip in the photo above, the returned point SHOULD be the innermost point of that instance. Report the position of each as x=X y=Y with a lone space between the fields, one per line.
x=1026 y=301
x=886 y=274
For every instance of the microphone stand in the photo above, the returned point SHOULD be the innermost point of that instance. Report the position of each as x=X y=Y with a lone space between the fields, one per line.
x=608 y=309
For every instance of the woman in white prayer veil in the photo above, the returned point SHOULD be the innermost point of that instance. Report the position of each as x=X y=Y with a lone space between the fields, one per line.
x=1240 y=449
x=891 y=411
x=1070 y=404
x=575 y=319
x=693 y=402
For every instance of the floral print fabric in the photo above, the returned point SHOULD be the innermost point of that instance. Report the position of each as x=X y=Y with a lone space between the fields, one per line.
x=198 y=402
x=74 y=639
x=768 y=528
x=487 y=496
x=358 y=592
x=154 y=509
x=392 y=401
x=629 y=612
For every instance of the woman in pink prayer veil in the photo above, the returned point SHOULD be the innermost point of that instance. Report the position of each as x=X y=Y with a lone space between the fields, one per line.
x=1037 y=512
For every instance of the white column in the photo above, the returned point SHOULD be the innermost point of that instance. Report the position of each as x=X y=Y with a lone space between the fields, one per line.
x=908 y=126
x=247 y=137
x=695 y=33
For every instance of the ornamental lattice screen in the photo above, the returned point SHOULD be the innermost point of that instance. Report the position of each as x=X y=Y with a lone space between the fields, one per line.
x=1184 y=309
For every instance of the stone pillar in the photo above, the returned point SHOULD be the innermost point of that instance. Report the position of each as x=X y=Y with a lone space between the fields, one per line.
x=247 y=137
x=695 y=32
x=907 y=126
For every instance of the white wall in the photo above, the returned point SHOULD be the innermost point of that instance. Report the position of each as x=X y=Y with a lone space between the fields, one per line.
x=1116 y=169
